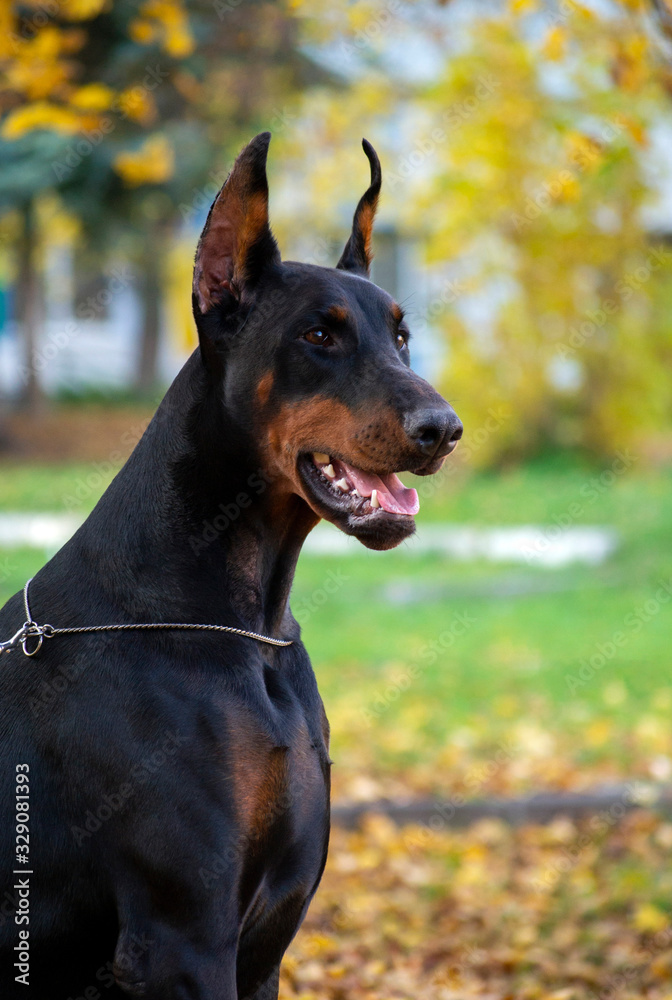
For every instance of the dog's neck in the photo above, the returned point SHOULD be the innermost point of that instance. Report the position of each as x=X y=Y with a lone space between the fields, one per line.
x=203 y=534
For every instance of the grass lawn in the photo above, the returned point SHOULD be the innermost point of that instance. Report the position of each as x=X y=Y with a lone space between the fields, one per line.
x=475 y=677
x=452 y=678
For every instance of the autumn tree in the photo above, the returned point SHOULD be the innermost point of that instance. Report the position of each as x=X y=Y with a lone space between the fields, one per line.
x=79 y=120
x=117 y=108
x=518 y=161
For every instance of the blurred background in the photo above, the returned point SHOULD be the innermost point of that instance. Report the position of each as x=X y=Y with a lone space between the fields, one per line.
x=520 y=643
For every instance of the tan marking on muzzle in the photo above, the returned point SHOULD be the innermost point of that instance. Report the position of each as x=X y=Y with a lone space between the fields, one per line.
x=327 y=425
x=264 y=388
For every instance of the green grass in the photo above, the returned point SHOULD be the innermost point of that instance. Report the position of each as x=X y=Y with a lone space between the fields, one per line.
x=57 y=488
x=395 y=703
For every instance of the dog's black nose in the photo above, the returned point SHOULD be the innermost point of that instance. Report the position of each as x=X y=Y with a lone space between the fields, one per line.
x=435 y=432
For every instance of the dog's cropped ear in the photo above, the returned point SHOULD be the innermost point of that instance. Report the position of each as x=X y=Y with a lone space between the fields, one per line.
x=357 y=254
x=236 y=243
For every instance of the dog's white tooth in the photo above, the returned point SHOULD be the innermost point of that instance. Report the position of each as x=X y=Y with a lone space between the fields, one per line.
x=320 y=458
x=343 y=484
x=375 y=502
x=328 y=470
x=356 y=492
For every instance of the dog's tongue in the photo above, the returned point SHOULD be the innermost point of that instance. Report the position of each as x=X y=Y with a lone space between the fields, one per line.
x=393 y=496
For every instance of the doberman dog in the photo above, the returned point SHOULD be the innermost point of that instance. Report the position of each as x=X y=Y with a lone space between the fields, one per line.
x=173 y=784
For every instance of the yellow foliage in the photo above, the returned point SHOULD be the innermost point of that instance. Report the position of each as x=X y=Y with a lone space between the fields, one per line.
x=7 y=43
x=137 y=103
x=62 y=227
x=527 y=206
x=151 y=163
x=141 y=31
x=634 y=127
x=37 y=68
x=555 y=44
x=527 y=918
x=598 y=732
x=188 y=86
x=72 y=40
x=178 y=292
x=84 y=10
x=630 y=64
x=46 y=44
x=165 y=21
x=583 y=152
x=92 y=97
x=649 y=919
x=41 y=114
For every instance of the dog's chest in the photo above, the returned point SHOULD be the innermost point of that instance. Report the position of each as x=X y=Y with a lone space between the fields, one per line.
x=275 y=777
x=265 y=745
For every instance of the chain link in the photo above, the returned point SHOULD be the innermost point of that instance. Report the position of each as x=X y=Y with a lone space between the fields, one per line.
x=31 y=630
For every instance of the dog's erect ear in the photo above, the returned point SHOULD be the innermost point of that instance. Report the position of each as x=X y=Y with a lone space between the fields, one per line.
x=236 y=243
x=357 y=254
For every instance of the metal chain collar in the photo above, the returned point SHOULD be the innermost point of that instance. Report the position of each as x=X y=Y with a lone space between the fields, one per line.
x=31 y=630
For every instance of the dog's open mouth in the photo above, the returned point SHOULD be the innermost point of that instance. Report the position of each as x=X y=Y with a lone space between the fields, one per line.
x=379 y=509
x=363 y=492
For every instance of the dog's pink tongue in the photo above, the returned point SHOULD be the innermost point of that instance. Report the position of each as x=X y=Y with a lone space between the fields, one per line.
x=393 y=496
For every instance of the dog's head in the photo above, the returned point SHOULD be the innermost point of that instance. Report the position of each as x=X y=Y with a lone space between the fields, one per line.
x=312 y=363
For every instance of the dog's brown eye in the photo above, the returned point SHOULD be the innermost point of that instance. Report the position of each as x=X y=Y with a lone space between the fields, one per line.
x=318 y=338
x=401 y=341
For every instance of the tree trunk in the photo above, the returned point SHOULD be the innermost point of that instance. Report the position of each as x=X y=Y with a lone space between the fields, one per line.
x=151 y=290
x=29 y=310
x=5 y=441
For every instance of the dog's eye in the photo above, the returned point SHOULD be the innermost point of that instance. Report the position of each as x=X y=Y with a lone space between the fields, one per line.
x=402 y=340
x=319 y=338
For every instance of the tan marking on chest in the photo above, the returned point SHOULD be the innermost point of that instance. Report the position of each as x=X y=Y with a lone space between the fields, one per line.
x=258 y=770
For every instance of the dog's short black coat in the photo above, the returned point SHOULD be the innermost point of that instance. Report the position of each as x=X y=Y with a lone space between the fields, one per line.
x=179 y=781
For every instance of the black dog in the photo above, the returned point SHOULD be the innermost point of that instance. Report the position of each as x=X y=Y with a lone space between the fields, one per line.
x=176 y=782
